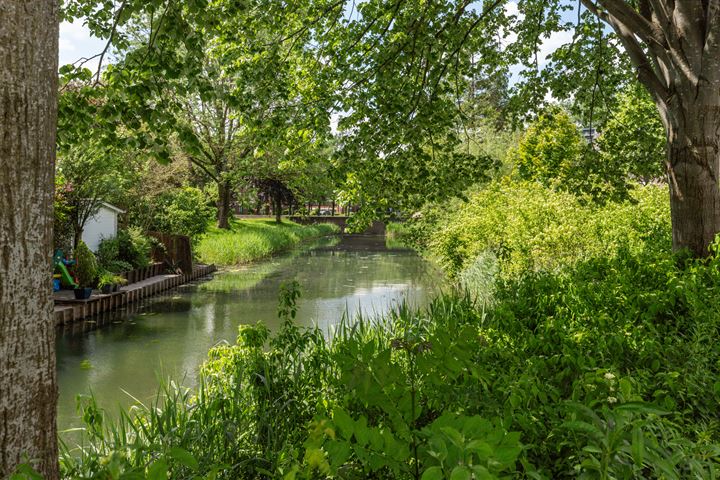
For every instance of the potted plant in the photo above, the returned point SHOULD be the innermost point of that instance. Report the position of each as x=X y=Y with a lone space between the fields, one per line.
x=118 y=280
x=85 y=271
x=106 y=282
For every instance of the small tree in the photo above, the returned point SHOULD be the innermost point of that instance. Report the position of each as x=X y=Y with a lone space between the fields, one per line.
x=275 y=191
x=553 y=152
x=92 y=175
x=86 y=269
x=550 y=148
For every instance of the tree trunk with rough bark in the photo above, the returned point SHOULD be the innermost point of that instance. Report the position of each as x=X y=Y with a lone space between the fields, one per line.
x=28 y=122
x=675 y=48
x=693 y=162
x=223 y=204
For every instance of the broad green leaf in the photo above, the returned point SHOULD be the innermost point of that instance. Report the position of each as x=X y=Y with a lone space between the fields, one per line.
x=433 y=473
x=184 y=457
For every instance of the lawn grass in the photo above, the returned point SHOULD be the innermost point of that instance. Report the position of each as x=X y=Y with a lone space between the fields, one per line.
x=250 y=240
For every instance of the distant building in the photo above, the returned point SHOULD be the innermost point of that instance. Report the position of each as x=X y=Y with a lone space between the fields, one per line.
x=104 y=224
x=590 y=134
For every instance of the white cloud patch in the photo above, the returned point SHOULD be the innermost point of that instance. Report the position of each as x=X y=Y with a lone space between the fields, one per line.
x=76 y=43
x=549 y=45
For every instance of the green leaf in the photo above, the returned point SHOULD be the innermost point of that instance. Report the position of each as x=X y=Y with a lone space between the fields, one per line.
x=454 y=436
x=157 y=470
x=482 y=473
x=583 y=427
x=432 y=473
x=184 y=457
x=460 y=473
x=638 y=446
x=641 y=407
x=343 y=422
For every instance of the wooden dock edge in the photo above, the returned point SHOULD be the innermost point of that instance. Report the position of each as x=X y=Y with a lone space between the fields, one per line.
x=67 y=314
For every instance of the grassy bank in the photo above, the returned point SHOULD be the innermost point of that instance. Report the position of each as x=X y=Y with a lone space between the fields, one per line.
x=250 y=240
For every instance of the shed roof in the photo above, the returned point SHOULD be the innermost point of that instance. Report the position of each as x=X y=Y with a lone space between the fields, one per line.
x=112 y=207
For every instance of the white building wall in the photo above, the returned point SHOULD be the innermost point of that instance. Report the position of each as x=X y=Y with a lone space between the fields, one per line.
x=102 y=225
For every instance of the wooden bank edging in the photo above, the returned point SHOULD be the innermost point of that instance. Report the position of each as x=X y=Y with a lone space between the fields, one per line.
x=100 y=303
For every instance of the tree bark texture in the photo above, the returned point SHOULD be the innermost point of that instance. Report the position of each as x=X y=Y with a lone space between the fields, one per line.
x=693 y=163
x=223 y=204
x=28 y=122
x=675 y=48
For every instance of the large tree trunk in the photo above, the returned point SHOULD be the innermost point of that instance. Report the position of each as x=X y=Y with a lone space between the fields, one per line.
x=693 y=163
x=675 y=48
x=223 y=204
x=28 y=115
x=694 y=195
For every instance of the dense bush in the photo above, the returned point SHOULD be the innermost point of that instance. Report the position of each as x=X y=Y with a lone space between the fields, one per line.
x=134 y=247
x=553 y=152
x=531 y=228
x=86 y=267
x=594 y=355
x=182 y=211
x=549 y=150
x=128 y=250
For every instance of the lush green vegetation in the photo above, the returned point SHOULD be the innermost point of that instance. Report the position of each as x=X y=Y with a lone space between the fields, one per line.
x=249 y=240
x=606 y=368
x=532 y=228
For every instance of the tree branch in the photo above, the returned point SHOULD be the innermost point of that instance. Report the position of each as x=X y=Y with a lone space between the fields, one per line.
x=632 y=20
x=637 y=55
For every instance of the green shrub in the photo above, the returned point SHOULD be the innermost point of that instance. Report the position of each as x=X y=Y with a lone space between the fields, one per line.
x=549 y=150
x=86 y=269
x=134 y=247
x=606 y=370
x=553 y=152
x=531 y=228
x=128 y=250
x=108 y=252
x=596 y=358
x=182 y=211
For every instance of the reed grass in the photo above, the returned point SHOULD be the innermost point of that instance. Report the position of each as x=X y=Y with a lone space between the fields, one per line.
x=250 y=240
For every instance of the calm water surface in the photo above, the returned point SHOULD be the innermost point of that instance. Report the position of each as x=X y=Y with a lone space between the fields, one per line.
x=169 y=336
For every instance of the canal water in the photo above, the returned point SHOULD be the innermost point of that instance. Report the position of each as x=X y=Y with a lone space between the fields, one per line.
x=169 y=335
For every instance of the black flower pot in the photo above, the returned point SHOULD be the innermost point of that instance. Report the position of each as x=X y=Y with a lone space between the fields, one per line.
x=82 y=293
x=115 y=287
x=106 y=289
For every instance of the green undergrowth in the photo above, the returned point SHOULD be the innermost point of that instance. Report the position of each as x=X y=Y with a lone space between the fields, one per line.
x=250 y=240
x=605 y=371
x=598 y=360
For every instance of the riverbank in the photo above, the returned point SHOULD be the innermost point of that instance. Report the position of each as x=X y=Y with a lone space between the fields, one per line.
x=250 y=240
x=69 y=310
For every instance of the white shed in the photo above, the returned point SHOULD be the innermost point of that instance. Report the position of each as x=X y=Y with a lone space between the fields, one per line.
x=102 y=225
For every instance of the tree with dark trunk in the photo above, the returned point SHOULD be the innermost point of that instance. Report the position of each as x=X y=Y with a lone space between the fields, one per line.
x=275 y=192
x=210 y=138
x=223 y=204
x=28 y=113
